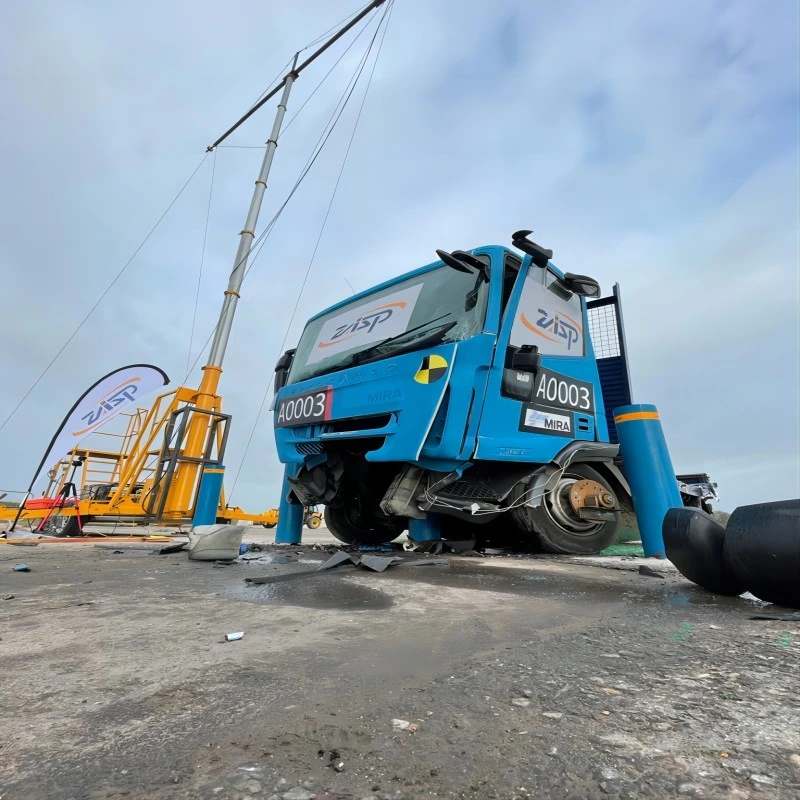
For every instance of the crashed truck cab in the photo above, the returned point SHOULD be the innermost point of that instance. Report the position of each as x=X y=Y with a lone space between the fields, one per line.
x=469 y=389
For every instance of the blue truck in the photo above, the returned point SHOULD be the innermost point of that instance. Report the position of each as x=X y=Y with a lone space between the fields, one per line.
x=475 y=392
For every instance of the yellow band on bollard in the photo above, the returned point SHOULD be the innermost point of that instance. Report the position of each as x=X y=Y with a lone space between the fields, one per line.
x=214 y=471
x=636 y=415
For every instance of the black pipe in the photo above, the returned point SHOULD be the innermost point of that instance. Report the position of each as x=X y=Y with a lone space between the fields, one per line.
x=297 y=70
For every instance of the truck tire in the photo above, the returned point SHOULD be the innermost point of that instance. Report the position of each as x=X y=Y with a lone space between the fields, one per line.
x=313 y=522
x=349 y=531
x=554 y=527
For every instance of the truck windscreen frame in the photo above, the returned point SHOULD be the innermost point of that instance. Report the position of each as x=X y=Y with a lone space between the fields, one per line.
x=419 y=305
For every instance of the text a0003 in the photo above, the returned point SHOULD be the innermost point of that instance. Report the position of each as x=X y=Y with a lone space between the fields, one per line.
x=304 y=409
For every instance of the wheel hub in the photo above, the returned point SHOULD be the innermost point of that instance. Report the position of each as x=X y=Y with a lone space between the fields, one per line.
x=561 y=509
x=590 y=494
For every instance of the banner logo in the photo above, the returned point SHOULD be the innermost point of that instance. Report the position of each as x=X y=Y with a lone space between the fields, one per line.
x=123 y=394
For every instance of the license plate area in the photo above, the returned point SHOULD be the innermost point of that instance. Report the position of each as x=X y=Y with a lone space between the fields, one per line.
x=553 y=390
x=307 y=408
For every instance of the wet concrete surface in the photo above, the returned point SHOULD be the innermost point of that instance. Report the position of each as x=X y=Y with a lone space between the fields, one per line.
x=518 y=677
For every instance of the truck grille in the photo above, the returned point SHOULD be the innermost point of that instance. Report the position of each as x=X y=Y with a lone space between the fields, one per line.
x=469 y=489
x=309 y=448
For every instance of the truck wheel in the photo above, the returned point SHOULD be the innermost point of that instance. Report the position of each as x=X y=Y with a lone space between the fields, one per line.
x=341 y=524
x=270 y=524
x=556 y=526
x=313 y=522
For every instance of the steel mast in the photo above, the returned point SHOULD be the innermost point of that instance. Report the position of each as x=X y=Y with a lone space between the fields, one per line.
x=181 y=492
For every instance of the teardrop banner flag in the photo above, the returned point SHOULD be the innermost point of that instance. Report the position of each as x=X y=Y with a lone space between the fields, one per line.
x=97 y=405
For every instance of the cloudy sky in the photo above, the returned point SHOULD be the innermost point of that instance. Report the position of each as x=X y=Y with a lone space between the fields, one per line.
x=651 y=144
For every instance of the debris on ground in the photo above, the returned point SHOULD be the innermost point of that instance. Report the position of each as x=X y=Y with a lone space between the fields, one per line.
x=9 y=597
x=377 y=563
x=172 y=548
x=337 y=559
x=234 y=637
x=21 y=568
x=793 y=616
x=404 y=725
x=269 y=558
x=650 y=573
x=341 y=559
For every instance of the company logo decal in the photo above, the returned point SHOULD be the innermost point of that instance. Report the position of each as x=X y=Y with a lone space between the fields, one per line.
x=366 y=322
x=555 y=327
x=124 y=393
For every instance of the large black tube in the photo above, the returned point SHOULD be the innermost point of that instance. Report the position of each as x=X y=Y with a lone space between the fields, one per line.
x=762 y=549
x=694 y=543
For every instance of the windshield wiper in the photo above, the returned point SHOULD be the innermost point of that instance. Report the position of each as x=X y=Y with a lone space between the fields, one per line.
x=369 y=353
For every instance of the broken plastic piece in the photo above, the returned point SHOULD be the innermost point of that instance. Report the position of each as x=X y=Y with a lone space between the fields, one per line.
x=234 y=637
x=338 y=558
x=650 y=572
x=378 y=563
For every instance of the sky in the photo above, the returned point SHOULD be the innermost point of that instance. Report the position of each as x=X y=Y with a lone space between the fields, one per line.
x=655 y=145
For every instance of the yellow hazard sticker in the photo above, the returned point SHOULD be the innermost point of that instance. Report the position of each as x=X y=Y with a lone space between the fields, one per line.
x=433 y=367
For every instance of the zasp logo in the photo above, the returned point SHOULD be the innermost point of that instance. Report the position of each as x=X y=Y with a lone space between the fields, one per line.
x=556 y=328
x=433 y=367
x=124 y=393
x=366 y=322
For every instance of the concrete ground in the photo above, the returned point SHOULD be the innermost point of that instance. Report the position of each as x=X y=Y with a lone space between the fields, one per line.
x=505 y=677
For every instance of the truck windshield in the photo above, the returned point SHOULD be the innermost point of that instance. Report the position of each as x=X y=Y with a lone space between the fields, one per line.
x=409 y=312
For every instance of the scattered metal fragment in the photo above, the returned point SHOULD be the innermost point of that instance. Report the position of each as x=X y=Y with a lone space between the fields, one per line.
x=650 y=572
x=338 y=558
x=793 y=616
x=377 y=563
x=460 y=547
x=172 y=548
x=389 y=547
x=424 y=562
x=21 y=568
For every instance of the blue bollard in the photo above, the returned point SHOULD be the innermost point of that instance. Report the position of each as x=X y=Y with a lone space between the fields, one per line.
x=205 y=509
x=424 y=530
x=648 y=468
x=290 y=515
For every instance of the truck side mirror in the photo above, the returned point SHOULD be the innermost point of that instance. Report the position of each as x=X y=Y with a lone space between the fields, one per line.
x=527 y=358
x=540 y=256
x=582 y=285
x=282 y=370
x=463 y=262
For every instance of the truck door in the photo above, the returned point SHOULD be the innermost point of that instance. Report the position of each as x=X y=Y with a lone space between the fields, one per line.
x=543 y=389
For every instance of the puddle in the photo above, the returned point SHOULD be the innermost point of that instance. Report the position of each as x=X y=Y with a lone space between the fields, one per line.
x=328 y=592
